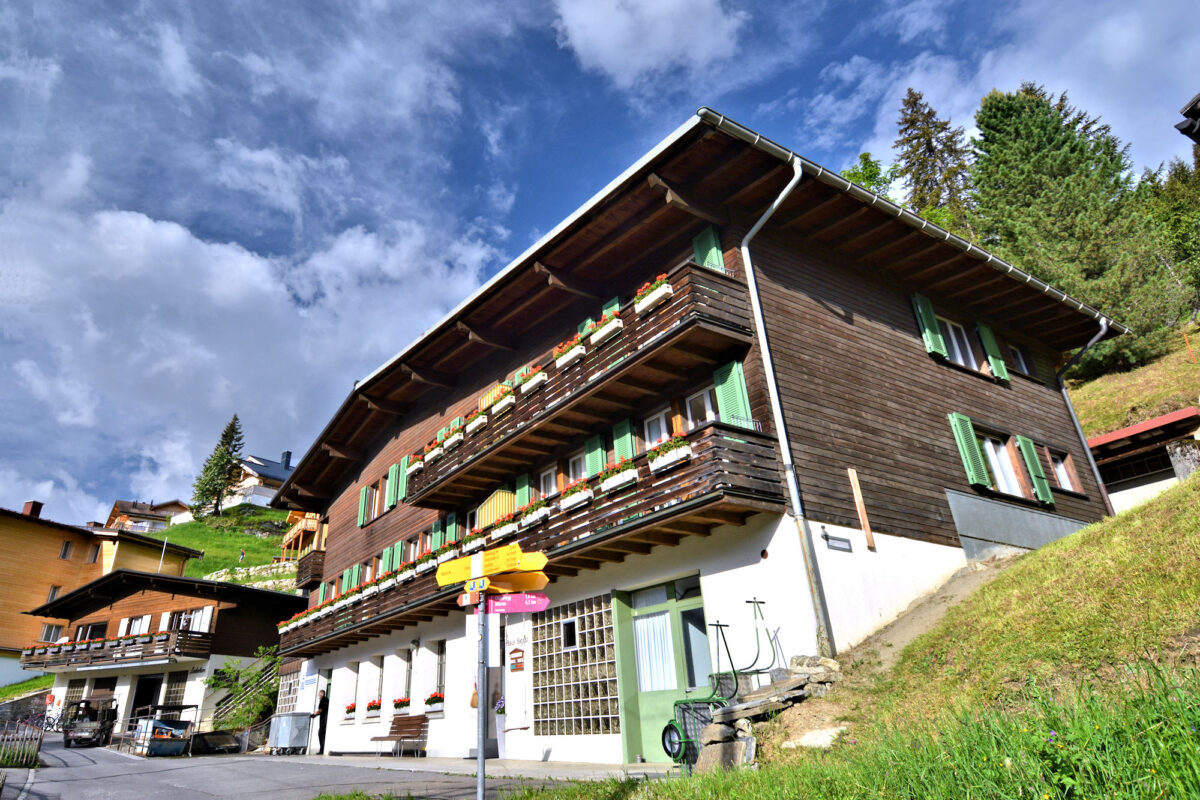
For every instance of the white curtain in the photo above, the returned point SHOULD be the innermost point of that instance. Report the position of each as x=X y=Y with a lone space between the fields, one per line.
x=655 y=655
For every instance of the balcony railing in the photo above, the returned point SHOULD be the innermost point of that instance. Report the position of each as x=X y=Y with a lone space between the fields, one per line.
x=707 y=316
x=309 y=569
x=162 y=647
x=731 y=472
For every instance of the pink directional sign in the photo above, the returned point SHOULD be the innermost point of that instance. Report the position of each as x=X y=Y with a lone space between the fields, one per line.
x=516 y=603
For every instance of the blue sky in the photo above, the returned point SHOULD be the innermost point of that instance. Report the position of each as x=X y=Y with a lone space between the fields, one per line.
x=223 y=207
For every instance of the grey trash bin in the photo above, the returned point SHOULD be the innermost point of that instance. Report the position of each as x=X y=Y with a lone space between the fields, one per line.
x=289 y=733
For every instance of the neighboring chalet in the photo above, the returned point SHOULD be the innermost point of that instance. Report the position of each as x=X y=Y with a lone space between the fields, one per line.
x=1140 y=462
x=665 y=394
x=149 y=638
x=260 y=479
x=42 y=560
x=134 y=515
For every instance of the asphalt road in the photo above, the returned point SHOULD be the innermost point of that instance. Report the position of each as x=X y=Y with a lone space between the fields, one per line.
x=94 y=773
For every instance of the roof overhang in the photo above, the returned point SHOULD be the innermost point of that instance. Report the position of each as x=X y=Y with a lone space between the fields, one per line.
x=710 y=169
x=1145 y=436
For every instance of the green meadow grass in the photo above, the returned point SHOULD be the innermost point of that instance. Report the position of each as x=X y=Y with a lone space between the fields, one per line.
x=222 y=538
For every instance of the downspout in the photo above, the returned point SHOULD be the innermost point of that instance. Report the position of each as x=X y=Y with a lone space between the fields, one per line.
x=1058 y=376
x=825 y=643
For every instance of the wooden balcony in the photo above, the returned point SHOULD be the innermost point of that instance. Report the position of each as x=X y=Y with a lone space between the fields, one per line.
x=732 y=473
x=153 y=648
x=705 y=323
x=309 y=569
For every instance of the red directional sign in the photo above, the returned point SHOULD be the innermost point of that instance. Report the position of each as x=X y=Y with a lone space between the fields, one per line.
x=517 y=603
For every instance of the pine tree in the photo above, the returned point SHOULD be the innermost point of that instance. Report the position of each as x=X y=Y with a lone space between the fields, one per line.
x=1174 y=201
x=220 y=471
x=934 y=163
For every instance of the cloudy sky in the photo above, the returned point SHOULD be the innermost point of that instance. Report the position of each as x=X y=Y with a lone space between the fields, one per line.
x=212 y=208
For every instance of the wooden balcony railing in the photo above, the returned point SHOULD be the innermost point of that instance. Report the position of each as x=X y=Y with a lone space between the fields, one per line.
x=732 y=472
x=163 y=646
x=707 y=317
x=309 y=569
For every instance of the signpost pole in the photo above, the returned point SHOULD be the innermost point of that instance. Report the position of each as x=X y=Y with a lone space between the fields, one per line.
x=482 y=693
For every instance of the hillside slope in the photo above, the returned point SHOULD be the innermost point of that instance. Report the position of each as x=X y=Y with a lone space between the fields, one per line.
x=1115 y=401
x=255 y=529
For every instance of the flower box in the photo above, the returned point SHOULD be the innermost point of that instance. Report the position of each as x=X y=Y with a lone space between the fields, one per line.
x=504 y=404
x=162 y=637
x=389 y=583
x=606 y=331
x=97 y=645
x=475 y=544
x=531 y=384
x=414 y=467
x=145 y=638
x=620 y=479
x=408 y=574
x=575 y=500
x=478 y=423
x=68 y=648
x=428 y=565
x=453 y=441
x=434 y=708
x=447 y=556
x=372 y=713
x=370 y=590
x=507 y=529
x=433 y=454
x=534 y=517
x=653 y=299
x=570 y=357
x=670 y=458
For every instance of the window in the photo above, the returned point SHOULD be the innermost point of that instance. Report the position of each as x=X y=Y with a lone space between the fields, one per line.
x=51 y=633
x=569 y=631
x=440 y=647
x=54 y=590
x=576 y=466
x=95 y=630
x=472 y=519
x=93 y=554
x=377 y=662
x=369 y=571
x=958 y=346
x=406 y=658
x=656 y=428
x=67 y=547
x=381 y=496
x=702 y=407
x=548 y=482
x=1064 y=471
x=372 y=501
x=1020 y=360
x=136 y=625
x=1001 y=468
x=1001 y=462
x=351 y=695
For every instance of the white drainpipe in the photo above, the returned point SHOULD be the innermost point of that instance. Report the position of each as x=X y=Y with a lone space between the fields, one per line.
x=825 y=643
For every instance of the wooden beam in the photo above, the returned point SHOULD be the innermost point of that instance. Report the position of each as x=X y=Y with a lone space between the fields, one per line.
x=722 y=517
x=852 y=473
x=854 y=237
x=626 y=546
x=683 y=200
x=837 y=226
x=385 y=406
x=568 y=283
x=690 y=528
x=339 y=450
x=700 y=354
x=430 y=376
x=889 y=246
x=659 y=537
x=554 y=568
x=803 y=215
x=487 y=336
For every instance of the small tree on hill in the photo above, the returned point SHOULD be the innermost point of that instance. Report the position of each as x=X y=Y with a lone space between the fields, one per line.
x=220 y=472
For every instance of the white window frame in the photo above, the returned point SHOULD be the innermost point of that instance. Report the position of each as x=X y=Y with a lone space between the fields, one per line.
x=548 y=474
x=956 y=339
x=381 y=496
x=709 y=394
x=577 y=459
x=51 y=633
x=1000 y=463
x=663 y=418
x=1020 y=363
x=471 y=521
x=1062 y=471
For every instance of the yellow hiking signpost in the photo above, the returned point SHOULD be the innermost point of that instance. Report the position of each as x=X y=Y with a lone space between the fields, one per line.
x=500 y=570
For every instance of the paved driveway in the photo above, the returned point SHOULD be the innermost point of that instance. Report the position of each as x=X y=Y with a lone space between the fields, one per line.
x=95 y=773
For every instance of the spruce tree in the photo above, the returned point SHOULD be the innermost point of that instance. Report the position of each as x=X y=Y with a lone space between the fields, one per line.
x=1174 y=200
x=220 y=471
x=934 y=163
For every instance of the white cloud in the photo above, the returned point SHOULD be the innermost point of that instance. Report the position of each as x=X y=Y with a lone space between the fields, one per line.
x=67 y=182
x=72 y=402
x=37 y=74
x=65 y=500
x=913 y=20
x=281 y=180
x=178 y=73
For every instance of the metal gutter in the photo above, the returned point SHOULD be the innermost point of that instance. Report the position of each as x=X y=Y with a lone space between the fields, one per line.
x=1066 y=396
x=825 y=642
x=739 y=131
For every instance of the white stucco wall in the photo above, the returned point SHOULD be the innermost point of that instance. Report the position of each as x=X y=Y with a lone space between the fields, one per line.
x=865 y=589
x=11 y=672
x=1128 y=494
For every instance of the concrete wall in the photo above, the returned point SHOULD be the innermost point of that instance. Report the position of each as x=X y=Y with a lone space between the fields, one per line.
x=1127 y=494
x=23 y=707
x=989 y=527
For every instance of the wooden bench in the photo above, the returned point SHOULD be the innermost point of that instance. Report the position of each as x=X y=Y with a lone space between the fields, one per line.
x=412 y=728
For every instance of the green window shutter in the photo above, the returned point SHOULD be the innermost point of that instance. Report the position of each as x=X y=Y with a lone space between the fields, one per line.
x=1041 y=486
x=457 y=422
x=397 y=554
x=524 y=492
x=990 y=346
x=706 y=248
x=321 y=594
x=362 y=506
x=968 y=448
x=733 y=403
x=582 y=329
x=393 y=481
x=346 y=575
x=623 y=440
x=930 y=332
x=441 y=437
x=385 y=561
x=611 y=306
x=452 y=526
x=438 y=534
x=401 y=480
x=593 y=458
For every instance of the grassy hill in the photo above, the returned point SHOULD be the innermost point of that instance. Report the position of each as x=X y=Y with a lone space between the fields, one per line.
x=1071 y=675
x=222 y=538
x=1115 y=401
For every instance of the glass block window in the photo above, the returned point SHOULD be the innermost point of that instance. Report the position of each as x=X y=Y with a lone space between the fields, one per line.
x=575 y=669
x=289 y=689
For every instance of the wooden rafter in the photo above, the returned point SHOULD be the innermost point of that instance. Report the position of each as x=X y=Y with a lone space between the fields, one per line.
x=684 y=200
x=569 y=283
x=488 y=336
x=430 y=376
x=342 y=451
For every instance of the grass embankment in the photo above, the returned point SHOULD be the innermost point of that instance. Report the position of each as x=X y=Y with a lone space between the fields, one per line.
x=1025 y=689
x=1115 y=401
x=223 y=538
x=35 y=684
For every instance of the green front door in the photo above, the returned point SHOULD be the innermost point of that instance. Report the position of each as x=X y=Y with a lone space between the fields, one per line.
x=662 y=652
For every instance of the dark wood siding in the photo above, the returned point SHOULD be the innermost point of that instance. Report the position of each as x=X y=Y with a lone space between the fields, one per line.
x=859 y=390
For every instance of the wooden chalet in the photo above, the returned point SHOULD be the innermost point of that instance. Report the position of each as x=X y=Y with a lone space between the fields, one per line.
x=632 y=397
